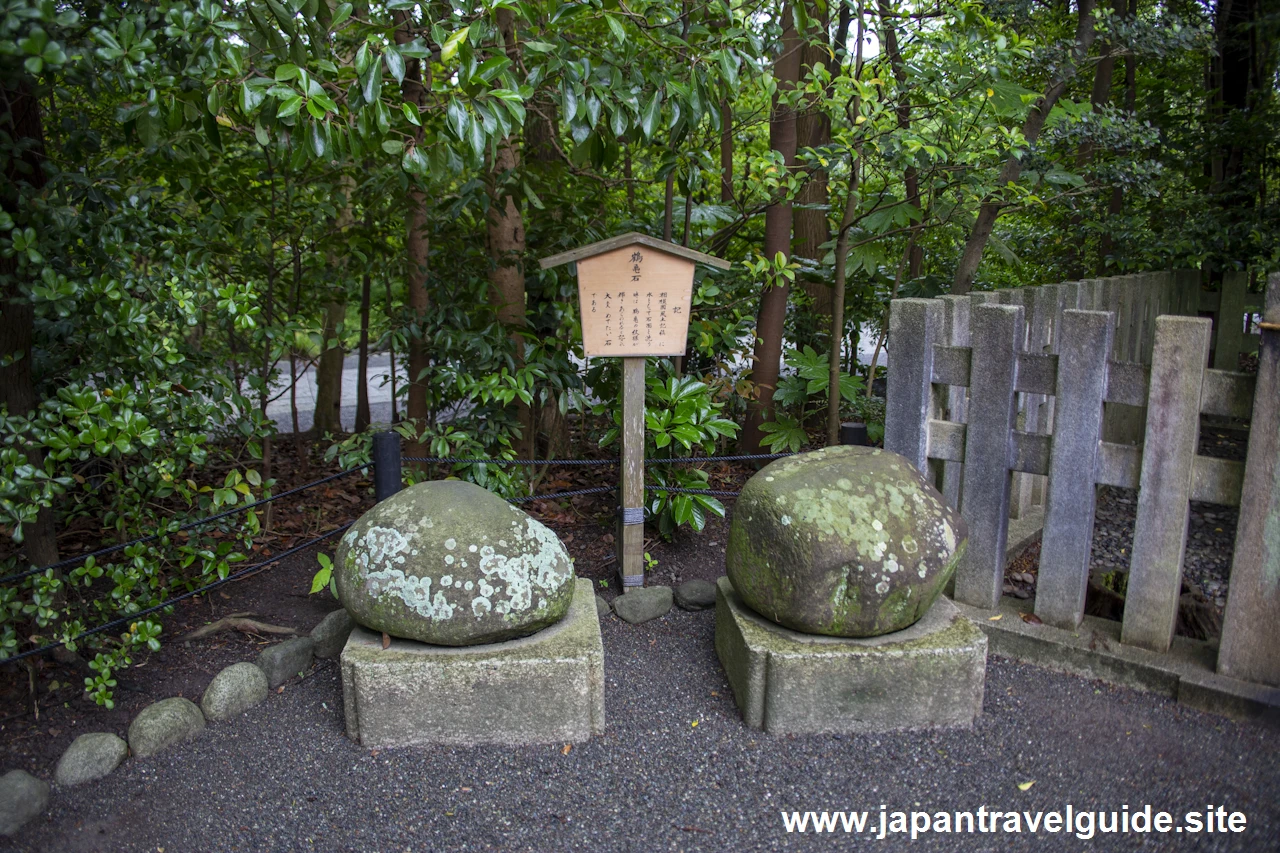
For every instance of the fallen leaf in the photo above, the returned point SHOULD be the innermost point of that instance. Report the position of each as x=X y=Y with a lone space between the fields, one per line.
x=1031 y=618
x=995 y=618
x=694 y=724
x=714 y=693
x=1025 y=786
x=386 y=640
x=280 y=689
x=567 y=747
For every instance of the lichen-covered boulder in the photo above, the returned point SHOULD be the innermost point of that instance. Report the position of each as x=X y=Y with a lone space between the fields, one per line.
x=450 y=563
x=844 y=541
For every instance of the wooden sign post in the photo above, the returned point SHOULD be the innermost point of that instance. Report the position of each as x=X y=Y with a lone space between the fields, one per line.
x=634 y=293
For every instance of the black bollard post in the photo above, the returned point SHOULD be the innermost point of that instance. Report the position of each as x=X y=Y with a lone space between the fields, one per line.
x=855 y=434
x=386 y=464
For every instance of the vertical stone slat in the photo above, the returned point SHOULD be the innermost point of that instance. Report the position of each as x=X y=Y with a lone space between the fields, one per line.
x=1228 y=326
x=995 y=332
x=1127 y=321
x=1189 y=293
x=1070 y=503
x=915 y=325
x=1145 y=311
x=956 y=311
x=1250 y=648
x=1020 y=485
x=1160 y=532
x=1040 y=309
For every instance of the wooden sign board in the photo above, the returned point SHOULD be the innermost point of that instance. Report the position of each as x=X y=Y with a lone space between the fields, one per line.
x=634 y=292
x=635 y=302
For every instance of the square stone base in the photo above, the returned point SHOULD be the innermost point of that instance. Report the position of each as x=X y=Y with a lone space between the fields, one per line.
x=545 y=688
x=930 y=675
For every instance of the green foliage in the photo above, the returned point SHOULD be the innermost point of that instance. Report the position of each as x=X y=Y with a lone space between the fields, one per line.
x=802 y=394
x=324 y=577
x=209 y=178
x=681 y=418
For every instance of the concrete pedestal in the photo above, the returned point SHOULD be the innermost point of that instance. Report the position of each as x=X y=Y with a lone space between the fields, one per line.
x=930 y=675
x=546 y=688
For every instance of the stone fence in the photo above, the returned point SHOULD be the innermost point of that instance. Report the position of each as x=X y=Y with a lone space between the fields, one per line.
x=1098 y=383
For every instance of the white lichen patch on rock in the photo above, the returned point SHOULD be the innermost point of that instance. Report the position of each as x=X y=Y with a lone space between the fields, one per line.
x=519 y=574
x=397 y=574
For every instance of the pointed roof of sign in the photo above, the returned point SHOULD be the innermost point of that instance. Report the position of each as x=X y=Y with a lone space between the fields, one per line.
x=632 y=238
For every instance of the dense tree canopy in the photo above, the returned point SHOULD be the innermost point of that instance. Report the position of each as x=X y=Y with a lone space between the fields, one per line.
x=201 y=199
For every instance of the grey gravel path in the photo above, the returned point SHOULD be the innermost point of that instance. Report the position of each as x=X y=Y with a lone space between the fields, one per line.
x=285 y=778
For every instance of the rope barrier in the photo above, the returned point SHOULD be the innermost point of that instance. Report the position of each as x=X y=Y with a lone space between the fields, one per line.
x=692 y=460
x=133 y=617
x=188 y=526
x=448 y=460
x=598 y=490
x=712 y=492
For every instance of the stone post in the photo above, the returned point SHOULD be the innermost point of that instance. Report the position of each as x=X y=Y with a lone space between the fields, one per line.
x=1250 y=648
x=1164 y=496
x=387 y=475
x=915 y=325
x=630 y=539
x=996 y=332
x=1069 y=509
x=1228 y=328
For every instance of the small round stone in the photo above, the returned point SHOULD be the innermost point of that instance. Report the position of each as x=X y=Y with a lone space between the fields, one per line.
x=843 y=541
x=400 y=568
x=163 y=724
x=22 y=797
x=233 y=691
x=641 y=604
x=90 y=757
x=695 y=595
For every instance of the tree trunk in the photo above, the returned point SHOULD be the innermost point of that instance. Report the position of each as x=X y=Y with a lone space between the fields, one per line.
x=417 y=247
x=302 y=450
x=363 y=417
x=17 y=316
x=910 y=177
x=668 y=206
x=505 y=225
x=391 y=352
x=328 y=417
x=767 y=354
x=726 y=151
x=1031 y=127
x=1115 y=205
x=842 y=251
x=812 y=229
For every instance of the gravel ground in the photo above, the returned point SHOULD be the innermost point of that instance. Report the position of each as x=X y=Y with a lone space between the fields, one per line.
x=1211 y=536
x=284 y=777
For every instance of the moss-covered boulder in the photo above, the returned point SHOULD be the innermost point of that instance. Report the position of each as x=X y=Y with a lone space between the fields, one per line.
x=449 y=563
x=844 y=541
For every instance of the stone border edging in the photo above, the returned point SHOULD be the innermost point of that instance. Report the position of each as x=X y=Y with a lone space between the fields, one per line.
x=234 y=690
x=1185 y=673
